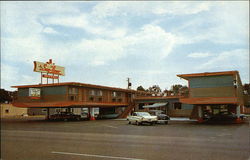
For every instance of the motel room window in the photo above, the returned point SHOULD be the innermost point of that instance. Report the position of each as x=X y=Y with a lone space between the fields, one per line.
x=91 y=99
x=73 y=90
x=100 y=99
x=177 y=105
x=114 y=94
x=6 y=111
x=99 y=93
x=119 y=94
x=92 y=92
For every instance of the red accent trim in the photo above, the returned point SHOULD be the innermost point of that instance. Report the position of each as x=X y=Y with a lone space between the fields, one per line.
x=186 y=76
x=76 y=84
x=65 y=104
x=92 y=118
x=50 y=76
x=34 y=97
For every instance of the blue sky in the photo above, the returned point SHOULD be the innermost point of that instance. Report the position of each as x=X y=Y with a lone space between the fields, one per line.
x=105 y=42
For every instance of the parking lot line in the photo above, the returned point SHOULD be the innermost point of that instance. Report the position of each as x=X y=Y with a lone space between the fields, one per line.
x=110 y=126
x=93 y=155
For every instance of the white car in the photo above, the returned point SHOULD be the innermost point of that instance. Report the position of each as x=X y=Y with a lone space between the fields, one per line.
x=139 y=118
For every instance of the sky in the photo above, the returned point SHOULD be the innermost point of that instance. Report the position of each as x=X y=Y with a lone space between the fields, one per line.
x=105 y=42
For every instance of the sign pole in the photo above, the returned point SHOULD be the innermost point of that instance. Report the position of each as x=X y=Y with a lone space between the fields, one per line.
x=41 y=78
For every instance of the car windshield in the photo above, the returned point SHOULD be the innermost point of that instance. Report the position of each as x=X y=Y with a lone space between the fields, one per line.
x=143 y=114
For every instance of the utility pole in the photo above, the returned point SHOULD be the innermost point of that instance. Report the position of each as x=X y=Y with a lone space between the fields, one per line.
x=129 y=84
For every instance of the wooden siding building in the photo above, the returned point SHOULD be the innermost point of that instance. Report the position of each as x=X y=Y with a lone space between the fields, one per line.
x=76 y=95
x=214 y=91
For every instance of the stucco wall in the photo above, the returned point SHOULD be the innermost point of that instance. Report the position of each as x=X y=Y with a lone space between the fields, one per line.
x=10 y=110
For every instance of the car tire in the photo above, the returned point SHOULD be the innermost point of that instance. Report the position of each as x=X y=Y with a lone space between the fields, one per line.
x=166 y=122
x=129 y=122
x=137 y=123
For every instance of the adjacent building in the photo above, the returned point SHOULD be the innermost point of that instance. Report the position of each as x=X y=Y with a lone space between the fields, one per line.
x=214 y=93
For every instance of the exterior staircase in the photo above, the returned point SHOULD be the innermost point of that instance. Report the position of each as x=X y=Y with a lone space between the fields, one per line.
x=127 y=111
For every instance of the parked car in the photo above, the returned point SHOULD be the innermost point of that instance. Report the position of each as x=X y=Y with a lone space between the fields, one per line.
x=139 y=118
x=107 y=116
x=161 y=117
x=65 y=116
x=224 y=116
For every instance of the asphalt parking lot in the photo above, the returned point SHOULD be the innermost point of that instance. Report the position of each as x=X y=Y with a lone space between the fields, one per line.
x=28 y=139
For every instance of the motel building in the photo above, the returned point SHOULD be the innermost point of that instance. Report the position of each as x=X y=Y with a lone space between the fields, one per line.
x=211 y=94
x=77 y=97
x=216 y=94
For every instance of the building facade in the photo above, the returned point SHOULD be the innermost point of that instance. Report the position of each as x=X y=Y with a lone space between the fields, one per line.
x=75 y=95
x=214 y=93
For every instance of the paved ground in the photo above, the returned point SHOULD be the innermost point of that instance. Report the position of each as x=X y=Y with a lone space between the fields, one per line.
x=113 y=139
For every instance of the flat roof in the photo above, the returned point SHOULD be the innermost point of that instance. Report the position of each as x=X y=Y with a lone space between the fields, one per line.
x=77 y=84
x=204 y=74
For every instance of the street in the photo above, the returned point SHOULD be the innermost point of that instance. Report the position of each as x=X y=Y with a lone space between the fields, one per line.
x=29 y=139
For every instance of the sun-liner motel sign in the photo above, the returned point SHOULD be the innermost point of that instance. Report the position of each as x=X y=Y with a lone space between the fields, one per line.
x=49 y=70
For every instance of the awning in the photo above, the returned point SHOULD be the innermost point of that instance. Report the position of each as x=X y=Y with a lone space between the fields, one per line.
x=155 y=105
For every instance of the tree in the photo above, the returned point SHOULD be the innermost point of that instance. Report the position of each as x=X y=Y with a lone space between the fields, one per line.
x=178 y=89
x=154 y=89
x=246 y=88
x=140 y=88
x=5 y=96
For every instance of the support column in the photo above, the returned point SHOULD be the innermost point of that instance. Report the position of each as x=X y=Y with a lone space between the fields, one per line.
x=238 y=120
x=200 y=119
x=92 y=113
x=48 y=114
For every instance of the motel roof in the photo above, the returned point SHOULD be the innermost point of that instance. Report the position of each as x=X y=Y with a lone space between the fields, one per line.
x=77 y=84
x=187 y=76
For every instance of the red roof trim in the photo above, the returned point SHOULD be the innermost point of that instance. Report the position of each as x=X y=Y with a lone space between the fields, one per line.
x=186 y=76
x=74 y=84
x=65 y=104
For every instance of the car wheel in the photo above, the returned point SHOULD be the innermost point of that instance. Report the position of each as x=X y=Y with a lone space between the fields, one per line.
x=129 y=122
x=166 y=122
x=137 y=123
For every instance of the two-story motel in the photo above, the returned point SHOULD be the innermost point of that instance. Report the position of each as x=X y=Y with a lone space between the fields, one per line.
x=76 y=95
x=214 y=92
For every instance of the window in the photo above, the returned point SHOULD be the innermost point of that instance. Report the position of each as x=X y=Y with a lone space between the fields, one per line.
x=91 y=99
x=73 y=90
x=72 y=98
x=92 y=92
x=100 y=99
x=6 y=111
x=114 y=94
x=119 y=100
x=177 y=105
x=119 y=94
x=113 y=100
x=99 y=93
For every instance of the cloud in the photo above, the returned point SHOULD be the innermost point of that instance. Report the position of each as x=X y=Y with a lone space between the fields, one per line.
x=110 y=9
x=50 y=30
x=199 y=55
x=228 y=60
